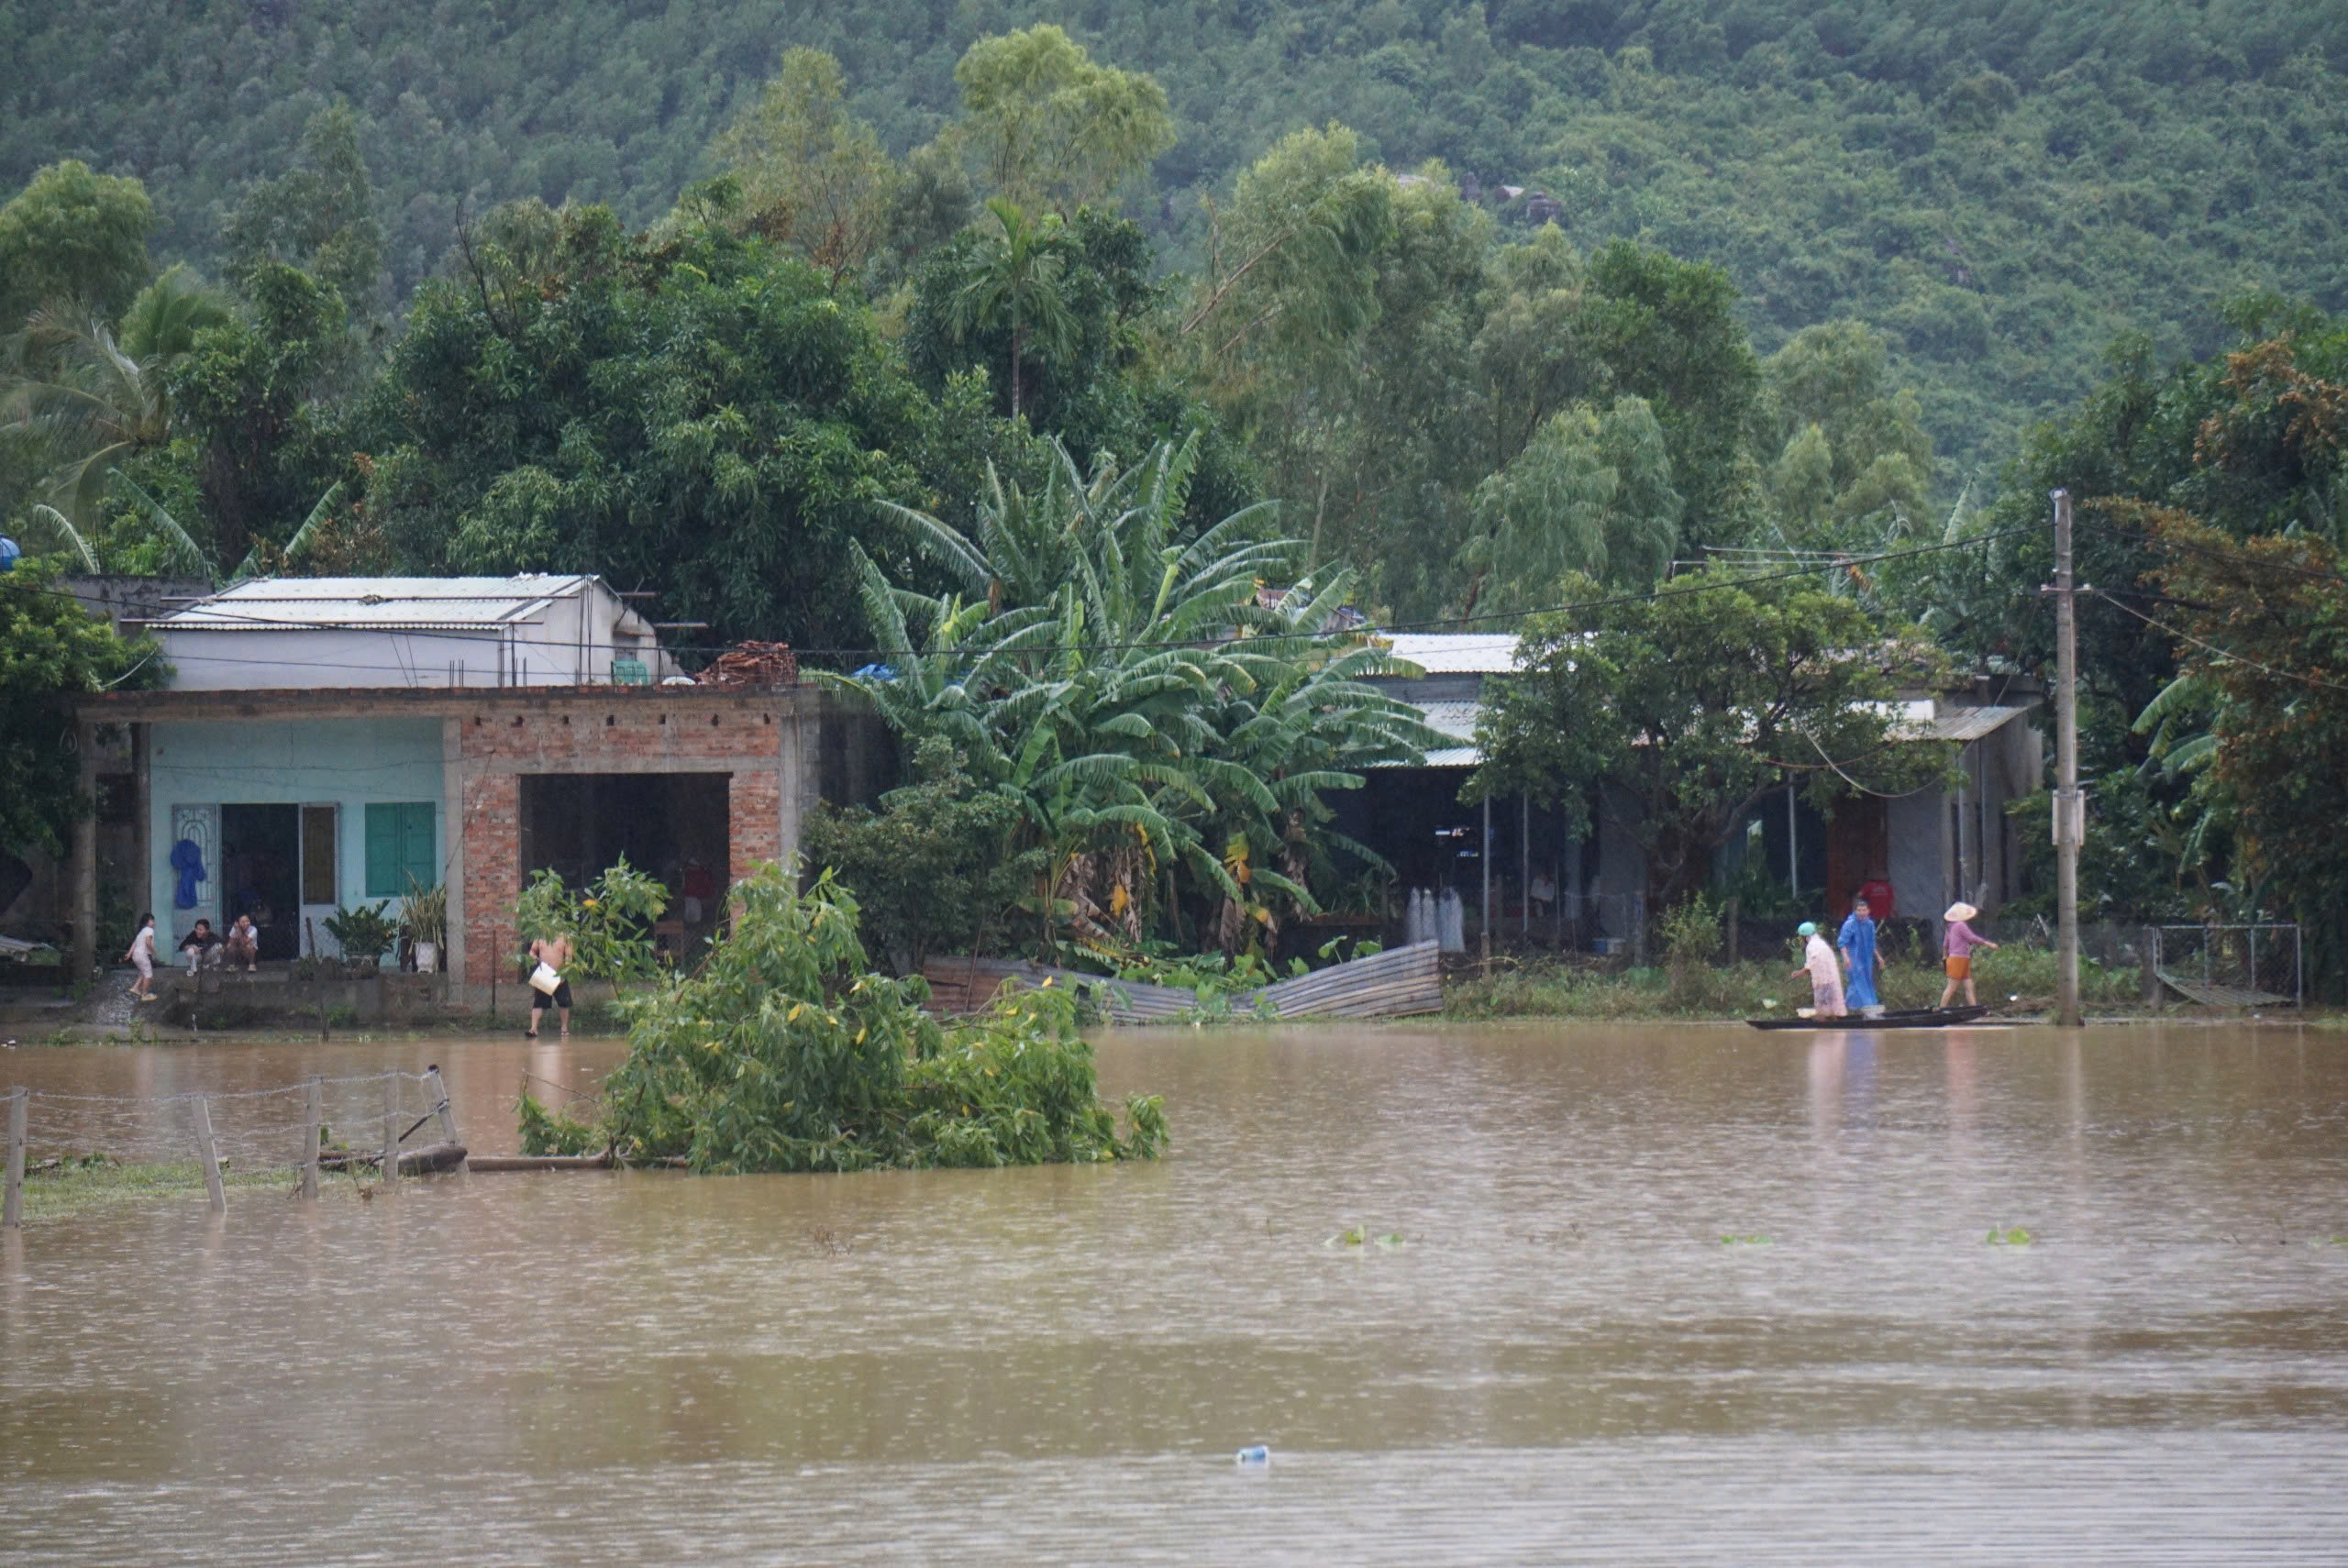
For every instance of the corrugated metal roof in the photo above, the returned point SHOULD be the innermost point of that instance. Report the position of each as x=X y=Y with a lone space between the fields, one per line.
x=1971 y=724
x=375 y=603
x=1454 y=720
x=1456 y=653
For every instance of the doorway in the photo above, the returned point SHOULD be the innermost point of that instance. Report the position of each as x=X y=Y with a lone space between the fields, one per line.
x=260 y=864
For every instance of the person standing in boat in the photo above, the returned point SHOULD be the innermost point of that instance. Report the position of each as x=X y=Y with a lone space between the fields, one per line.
x=1825 y=978
x=1856 y=940
x=1957 y=944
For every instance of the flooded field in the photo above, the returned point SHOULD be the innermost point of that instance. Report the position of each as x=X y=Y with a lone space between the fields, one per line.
x=1661 y=1294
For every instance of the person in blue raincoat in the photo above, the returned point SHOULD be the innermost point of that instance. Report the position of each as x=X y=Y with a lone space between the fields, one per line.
x=1856 y=939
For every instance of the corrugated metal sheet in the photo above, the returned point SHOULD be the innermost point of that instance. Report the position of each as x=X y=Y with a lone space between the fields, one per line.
x=1456 y=653
x=374 y=603
x=1455 y=721
x=1971 y=724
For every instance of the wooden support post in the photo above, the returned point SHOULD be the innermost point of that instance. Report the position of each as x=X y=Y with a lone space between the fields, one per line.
x=208 y=1151
x=390 y=1127
x=12 y=1210
x=314 y=1107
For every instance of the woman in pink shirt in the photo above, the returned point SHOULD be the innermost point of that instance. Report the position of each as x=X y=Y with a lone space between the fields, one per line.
x=1957 y=947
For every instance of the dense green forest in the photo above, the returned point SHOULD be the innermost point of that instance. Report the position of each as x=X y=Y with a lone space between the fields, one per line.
x=2004 y=188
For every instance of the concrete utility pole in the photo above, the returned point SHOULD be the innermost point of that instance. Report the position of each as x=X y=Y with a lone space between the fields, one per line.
x=2070 y=815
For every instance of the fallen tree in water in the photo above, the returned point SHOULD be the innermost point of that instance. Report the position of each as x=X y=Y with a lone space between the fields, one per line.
x=784 y=1052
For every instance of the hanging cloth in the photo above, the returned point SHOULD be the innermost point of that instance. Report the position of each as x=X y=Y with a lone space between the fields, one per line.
x=188 y=859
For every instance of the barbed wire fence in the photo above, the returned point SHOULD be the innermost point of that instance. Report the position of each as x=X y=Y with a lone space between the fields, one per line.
x=297 y=1131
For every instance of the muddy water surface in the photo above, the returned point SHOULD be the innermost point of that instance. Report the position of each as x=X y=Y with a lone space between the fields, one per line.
x=1562 y=1359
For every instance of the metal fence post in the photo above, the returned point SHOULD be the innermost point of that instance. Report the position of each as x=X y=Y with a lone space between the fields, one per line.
x=12 y=1210
x=2299 y=965
x=313 y=1109
x=208 y=1151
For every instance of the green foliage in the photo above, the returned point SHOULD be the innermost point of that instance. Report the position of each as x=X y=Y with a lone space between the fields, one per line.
x=51 y=651
x=696 y=416
x=1694 y=705
x=318 y=217
x=810 y=175
x=72 y=239
x=783 y=1053
x=934 y=869
x=609 y=922
x=365 y=934
x=1048 y=126
x=423 y=912
x=1094 y=677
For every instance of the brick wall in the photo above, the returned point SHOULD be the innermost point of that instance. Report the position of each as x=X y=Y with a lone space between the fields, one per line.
x=698 y=732
x=491 y=826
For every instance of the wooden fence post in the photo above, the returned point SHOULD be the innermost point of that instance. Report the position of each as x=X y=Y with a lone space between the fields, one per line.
x=439 y=1092
x=12 y=1210
x=208 y=1151
x=313 y=1098
x=390 y=1127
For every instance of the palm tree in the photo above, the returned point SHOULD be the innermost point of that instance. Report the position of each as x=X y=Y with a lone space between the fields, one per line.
x=1011 y=282
x=90 y=400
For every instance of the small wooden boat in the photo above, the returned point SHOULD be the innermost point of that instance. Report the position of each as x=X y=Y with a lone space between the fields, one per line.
x=1911 y=1018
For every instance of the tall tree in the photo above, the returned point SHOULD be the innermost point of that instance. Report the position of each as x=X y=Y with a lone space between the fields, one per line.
x=74 y=239
x=1682 y=711
x=1013 y=283
x=92 y=404
x=318 y=217
x=812 y=175
x=51 y=651
x=1048 y=126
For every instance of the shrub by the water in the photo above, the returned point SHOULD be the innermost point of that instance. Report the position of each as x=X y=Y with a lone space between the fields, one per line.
x=784 y=1052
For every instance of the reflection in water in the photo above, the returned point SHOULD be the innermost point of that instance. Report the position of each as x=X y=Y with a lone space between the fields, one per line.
x=1563 y=1359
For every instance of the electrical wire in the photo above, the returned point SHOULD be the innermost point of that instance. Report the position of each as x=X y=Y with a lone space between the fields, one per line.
x=1498 y=617
x=2225 y=654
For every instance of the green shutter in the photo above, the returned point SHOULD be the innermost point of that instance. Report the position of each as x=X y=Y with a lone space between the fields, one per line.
x=383 y=823
x=400 y=845
x=416 y=856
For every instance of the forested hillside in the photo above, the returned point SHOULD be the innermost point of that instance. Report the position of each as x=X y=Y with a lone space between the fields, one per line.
x=2003 y=187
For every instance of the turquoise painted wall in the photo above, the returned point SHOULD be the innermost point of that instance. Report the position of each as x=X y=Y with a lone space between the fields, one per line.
x=343 y=762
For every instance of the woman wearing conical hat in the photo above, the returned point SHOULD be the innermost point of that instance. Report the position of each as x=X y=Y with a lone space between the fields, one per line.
x=1957 y=943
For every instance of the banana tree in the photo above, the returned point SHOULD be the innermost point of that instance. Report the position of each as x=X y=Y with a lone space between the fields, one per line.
x=1162 y=721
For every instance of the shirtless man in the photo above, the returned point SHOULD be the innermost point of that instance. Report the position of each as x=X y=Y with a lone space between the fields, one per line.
x=554 y=952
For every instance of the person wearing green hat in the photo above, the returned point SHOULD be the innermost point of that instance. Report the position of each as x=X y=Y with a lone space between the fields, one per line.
x=1825 y=975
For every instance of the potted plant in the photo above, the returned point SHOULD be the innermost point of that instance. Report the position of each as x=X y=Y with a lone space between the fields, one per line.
x=364 y=935
x=425 y=913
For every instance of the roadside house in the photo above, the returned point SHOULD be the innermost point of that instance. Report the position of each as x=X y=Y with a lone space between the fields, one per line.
x=325 y=740
x=1931 y=847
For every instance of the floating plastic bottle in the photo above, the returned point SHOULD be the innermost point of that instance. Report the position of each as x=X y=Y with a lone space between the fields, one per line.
x=1256 y=1454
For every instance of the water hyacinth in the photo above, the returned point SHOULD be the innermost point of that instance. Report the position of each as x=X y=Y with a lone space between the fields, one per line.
x=784 y=1052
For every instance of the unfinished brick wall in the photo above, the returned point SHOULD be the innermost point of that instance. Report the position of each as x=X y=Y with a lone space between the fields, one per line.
x=491 y=827
x=693 y=731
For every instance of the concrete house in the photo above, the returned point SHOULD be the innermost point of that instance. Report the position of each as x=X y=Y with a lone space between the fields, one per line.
x=325 y=740
x=1931 y=847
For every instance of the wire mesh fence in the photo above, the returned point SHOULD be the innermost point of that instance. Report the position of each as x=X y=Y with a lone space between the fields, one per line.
x=2236 y=966
x=389 y=1121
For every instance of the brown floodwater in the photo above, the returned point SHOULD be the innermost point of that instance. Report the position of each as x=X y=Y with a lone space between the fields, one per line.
x=1562 y=1360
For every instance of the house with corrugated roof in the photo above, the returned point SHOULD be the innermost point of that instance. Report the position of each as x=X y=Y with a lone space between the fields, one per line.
x=1930 y=847
x=329 y=742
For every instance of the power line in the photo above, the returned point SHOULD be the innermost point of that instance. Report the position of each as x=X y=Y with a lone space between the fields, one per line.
x=2225 y=654
x=1499 y=617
